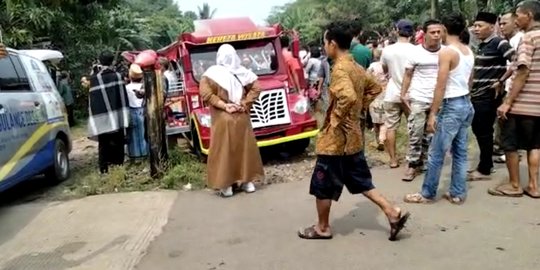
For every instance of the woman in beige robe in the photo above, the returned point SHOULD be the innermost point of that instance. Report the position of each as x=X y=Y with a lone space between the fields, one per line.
x=230 y=89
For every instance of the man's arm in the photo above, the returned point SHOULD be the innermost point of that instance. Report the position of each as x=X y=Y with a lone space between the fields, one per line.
x=384 y=62
x=506 y=50
x=445 y=62
x=522 y=73
x=405 y=85
x=372 y=89
x=523 y=63
x=342 y=88
x=321 y=75
x=471 y=79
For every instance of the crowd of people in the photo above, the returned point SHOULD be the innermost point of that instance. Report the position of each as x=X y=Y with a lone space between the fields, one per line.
x=116 y=98
x=408 y=66
x=432 y=76
x=439 y=82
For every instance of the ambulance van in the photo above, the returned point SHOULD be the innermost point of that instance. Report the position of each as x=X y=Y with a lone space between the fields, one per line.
x=34 y=133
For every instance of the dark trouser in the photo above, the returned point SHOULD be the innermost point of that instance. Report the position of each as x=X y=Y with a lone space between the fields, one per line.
x=110 y=150
x=482 y=126
x=71 y=118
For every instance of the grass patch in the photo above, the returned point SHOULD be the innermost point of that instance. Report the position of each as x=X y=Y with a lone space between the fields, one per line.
x=183 y=168
x=79 y=131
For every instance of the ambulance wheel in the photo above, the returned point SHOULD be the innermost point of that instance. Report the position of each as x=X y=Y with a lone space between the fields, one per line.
x=60 y=170
x=197 y=150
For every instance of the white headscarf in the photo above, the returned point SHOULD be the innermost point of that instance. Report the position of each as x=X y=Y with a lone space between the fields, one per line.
x=228 y=64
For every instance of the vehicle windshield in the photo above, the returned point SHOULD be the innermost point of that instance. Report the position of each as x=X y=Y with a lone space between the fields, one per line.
x=259 y=56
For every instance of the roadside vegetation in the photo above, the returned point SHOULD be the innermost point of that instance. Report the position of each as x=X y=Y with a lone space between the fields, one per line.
x=184 y=170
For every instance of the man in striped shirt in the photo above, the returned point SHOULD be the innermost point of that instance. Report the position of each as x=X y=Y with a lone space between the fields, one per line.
x=521 y=109
x=486 y=92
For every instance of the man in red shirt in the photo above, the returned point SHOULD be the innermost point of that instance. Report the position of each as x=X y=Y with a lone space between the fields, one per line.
x=293 y=65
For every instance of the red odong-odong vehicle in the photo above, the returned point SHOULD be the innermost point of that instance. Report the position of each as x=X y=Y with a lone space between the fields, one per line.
x=277 y=117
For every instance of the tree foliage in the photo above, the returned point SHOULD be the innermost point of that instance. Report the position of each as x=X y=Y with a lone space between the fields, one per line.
x=81 y=29
x=309 y=16
x=205 y=12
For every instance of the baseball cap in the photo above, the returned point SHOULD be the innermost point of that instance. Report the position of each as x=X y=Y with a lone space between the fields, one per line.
x=405 y=28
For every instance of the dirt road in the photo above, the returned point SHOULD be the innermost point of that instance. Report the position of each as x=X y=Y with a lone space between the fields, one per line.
x=259 y=232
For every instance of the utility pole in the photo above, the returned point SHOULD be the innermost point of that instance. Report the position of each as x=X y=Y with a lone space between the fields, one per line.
x=154 y=118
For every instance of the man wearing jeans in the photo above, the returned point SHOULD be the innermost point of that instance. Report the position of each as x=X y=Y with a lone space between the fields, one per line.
x=455 y=114
x=417 y=95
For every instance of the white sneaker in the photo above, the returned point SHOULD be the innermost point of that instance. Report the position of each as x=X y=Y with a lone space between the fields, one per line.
x=248 y=187
x=226 y=192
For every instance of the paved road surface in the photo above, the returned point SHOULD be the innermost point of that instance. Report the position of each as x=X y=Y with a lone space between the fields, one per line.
x=95 y=233
x=259 y=232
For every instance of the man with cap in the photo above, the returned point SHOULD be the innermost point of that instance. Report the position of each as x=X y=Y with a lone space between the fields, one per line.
x=394 y=59
x=486 y=94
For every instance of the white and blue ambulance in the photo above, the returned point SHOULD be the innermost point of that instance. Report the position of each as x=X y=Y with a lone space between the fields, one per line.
x=34 y=133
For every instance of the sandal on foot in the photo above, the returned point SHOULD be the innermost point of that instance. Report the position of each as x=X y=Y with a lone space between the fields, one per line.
x=409 y=176
x=416 y=198
x=477 y=176
x=453 y=200
x=394 y=166
x=396 y=227
x=505 y=190
x=310 y=233
x=532 y=194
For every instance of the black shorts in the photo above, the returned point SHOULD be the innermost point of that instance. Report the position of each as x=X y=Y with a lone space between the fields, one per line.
x=520 y=132
x=331 y=173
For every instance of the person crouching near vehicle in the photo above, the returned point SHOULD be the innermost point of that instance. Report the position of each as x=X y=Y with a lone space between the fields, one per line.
x=137 y=144
x=230 y=89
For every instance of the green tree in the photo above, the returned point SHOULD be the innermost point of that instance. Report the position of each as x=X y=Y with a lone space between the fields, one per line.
x=205 y=12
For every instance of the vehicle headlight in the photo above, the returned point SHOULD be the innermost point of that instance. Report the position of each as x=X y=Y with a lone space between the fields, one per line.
x=301 y=106
x=205 y=120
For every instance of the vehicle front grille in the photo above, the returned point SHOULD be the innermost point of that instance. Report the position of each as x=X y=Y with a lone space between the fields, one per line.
x=270 y=109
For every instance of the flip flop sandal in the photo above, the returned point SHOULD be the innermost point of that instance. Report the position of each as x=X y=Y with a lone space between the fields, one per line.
x=396 y=227
x=310 y=233
x=394 y=166
x=453 y=200
x=409 y=177
x=498 y=191
x=534 y=195
x=416 y=198
x=479 y=178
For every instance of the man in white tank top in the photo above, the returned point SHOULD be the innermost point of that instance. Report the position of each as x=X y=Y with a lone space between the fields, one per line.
x=417 y=95
x=450 y=116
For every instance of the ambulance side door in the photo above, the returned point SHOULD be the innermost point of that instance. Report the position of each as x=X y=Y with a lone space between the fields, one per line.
x=20 y=115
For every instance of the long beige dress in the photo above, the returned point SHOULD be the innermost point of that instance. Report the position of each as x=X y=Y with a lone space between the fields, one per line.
x=234 y=155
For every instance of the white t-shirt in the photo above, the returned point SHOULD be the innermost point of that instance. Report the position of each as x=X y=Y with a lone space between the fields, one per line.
x=395 y=57
x=426 y=67
x=514 y=42
x=134 y=101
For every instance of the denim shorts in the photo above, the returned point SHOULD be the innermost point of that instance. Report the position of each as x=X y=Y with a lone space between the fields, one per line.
x=331 y=173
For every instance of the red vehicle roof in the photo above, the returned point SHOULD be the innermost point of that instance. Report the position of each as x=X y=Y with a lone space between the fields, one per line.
x=226 y=30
